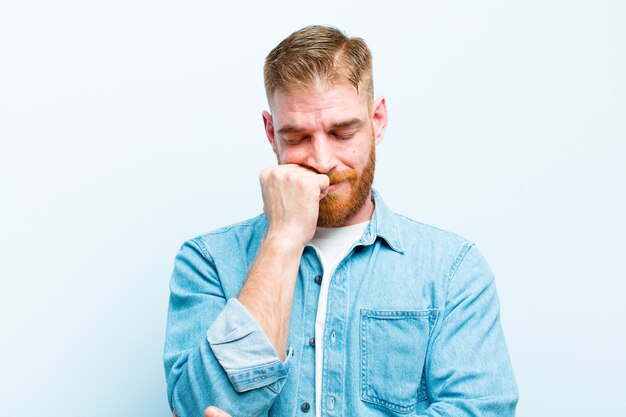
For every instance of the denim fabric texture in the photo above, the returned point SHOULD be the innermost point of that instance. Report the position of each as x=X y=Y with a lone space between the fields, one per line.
x=412 y=328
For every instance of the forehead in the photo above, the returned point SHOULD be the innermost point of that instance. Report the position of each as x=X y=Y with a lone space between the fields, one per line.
x=318 y=105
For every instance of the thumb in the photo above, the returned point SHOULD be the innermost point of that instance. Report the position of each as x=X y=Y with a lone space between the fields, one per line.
x=215 y=412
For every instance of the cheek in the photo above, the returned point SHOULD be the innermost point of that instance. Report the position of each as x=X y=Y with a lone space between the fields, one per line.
x=291 y=156
x=356 y=158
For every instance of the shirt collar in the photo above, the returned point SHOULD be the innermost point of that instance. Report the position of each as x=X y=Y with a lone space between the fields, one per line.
x=383 y=225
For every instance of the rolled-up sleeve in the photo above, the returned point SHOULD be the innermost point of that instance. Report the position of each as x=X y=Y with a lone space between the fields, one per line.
x=215 y=351
x=244 y=350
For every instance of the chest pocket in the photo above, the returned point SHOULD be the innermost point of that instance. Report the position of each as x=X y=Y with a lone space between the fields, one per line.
x=393 y=350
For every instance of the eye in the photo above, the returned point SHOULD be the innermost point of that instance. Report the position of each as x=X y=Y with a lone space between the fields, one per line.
x=342 y=135
x=295 y=140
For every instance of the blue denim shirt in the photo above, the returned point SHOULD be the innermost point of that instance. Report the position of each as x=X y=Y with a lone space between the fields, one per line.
x=412 y=328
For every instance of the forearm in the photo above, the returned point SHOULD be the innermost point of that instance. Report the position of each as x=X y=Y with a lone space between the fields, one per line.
x=215 y=351
x=268 y=290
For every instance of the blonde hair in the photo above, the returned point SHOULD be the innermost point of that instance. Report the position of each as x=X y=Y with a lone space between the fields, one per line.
x=318 y=54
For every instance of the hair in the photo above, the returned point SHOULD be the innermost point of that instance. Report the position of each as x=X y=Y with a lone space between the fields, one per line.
x=318 y=54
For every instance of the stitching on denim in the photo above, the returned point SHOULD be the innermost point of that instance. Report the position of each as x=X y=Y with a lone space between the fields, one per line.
x=200 y=245
x=325 y=359
x=242 y=224
x=391 y=406
x=366 y=316
x=238 y=371
x=455 y=266
x=234 y=336
x=205 y=251
x=394 y=240
x=243 y=383
x=327 y=324
x=364 y=339
x=305 y=290
x=421 y=391
x=459 y=259
x=400 y=314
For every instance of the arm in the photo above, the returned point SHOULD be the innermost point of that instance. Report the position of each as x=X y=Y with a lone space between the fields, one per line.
x=202 y=328
x=291 y=197
x=239 y=363
x=268 y=290
x=468 y=371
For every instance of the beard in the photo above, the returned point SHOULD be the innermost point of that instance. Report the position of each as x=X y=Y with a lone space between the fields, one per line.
x=338 y=207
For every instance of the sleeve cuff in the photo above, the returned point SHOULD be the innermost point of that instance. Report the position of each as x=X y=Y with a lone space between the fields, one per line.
x=244 y=350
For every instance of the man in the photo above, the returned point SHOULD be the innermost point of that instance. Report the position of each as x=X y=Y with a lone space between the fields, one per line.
x=329 y=303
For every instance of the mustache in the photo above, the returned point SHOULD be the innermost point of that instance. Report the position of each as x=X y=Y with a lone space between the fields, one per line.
x=336 y=176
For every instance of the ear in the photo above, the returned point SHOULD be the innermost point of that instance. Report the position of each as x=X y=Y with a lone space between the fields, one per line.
x=379 y=117
x=268 y=123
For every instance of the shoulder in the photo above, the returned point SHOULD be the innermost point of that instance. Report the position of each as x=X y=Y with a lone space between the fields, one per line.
x=416 y=238
x=235 y=236
x=242 y=227
x=433 y=244
x=415 y=231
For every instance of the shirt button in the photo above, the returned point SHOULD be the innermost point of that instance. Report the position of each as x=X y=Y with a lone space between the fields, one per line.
x=312 y=341
x=318 y=279
x=305 y=407
x=333 y=336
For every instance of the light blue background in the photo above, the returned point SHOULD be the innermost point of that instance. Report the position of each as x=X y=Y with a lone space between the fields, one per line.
x=127 y=127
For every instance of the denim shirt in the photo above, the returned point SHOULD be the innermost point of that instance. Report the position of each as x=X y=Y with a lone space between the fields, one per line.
x=412 y=328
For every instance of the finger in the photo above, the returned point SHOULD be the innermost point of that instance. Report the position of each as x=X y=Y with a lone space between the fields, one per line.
x=215 y=412
x=303 y=167
x=324 y=183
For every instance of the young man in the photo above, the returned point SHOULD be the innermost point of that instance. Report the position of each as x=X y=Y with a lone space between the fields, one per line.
x=329 y=303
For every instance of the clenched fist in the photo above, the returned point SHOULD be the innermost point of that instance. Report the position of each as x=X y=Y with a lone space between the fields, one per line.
x=291 y=195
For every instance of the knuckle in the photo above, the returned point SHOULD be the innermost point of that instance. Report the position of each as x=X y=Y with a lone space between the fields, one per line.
x=303 y=181
x=268 y=174
x=293 y=176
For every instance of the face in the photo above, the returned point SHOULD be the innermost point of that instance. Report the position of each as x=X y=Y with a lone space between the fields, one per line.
x=332 y=130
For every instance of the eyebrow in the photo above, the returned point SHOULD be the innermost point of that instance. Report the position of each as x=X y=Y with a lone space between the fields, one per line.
x=352 y=123
x=289 y=129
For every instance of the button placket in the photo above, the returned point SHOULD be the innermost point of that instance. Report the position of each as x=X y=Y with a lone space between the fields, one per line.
x=304 y=392
x=334 y=380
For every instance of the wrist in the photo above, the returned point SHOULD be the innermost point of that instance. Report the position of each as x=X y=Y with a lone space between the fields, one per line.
x=286 y=242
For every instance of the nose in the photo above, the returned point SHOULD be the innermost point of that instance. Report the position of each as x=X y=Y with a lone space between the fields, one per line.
x=322 y=156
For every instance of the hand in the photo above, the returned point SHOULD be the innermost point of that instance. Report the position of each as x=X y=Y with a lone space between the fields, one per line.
x=291 y=195
x=212 y=412
x=215 y=412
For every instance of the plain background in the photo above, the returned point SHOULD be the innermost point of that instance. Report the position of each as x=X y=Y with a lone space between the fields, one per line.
x=130 y=126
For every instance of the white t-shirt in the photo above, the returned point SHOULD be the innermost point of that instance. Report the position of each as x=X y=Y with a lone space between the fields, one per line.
x=332 y=245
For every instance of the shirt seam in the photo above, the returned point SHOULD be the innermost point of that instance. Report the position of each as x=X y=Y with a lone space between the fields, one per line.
x=203 y=250
x=451 y=274
x=457 y=262
x=225 y=229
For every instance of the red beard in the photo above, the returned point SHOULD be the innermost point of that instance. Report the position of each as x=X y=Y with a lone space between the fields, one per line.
x=338 y=207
